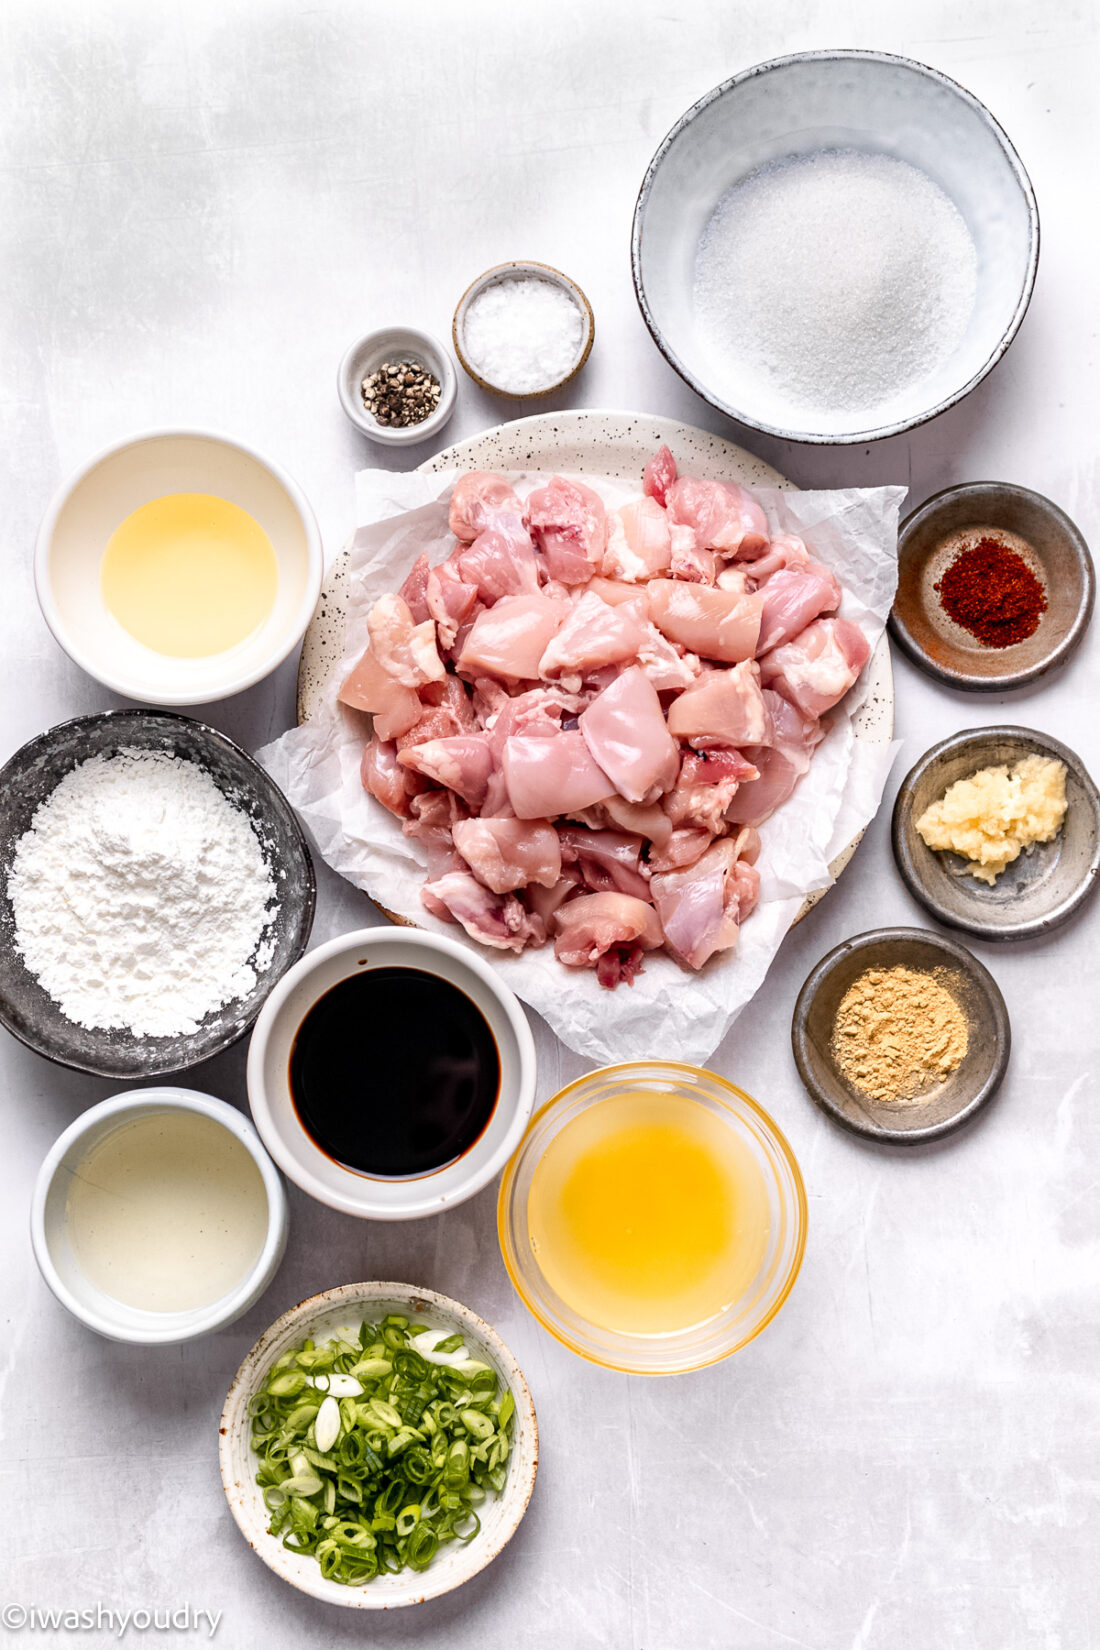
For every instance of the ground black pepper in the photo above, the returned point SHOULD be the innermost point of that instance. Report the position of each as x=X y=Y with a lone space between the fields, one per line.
x=400 y=393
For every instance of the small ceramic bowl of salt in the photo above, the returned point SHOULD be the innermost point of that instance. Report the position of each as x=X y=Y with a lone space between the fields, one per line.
x=523 y=329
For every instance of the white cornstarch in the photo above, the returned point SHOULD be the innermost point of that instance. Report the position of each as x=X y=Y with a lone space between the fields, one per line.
x=523 y=334
x=833 y=282
x=141 y=895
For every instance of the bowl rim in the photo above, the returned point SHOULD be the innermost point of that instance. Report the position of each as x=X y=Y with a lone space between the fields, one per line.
x=786 y=1151
x=1056 y=655
x=421 y=1203
x=394 y=435
x=905 y=859
x=958 y=952
x=228 y=1307
x=234 y=1414
x=838 y=54
x=309 y=907
x=500 y=272
x=233 y=684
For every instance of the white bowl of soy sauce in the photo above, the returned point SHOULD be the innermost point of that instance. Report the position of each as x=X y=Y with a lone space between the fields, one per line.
x=391 y=1074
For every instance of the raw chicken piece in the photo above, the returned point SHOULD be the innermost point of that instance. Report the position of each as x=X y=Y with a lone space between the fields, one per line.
x=607 y=859
x=414 y=591
x=707 y=784
x=407 y=652
x=435 y=722
x=687 y=561
x=501 y=562
x=816 y=669
x=700 y=907
x=718 y=624
x=616 y=813
x=724 y=707
x=736 y=577
x=368 y=687
x=685 y=845
x=592 y=636
x=669 y=668
x=626 y=733
x=451 y=694
x=434 y=816
x=552 y=776
x=608 y=932
x=638 y=543
x=785 y=550
x=747 y=878
x=498 y=920
x=506 y=854
x=543 y=902
x=613 y=591
x=509 y=638
x=569 y=527
x=658 y=475
x=450 y=600
x=463 y=764
x=481 y=500
x=781 y=764
x=793 y=597
x=385 y=779
x=722 y=516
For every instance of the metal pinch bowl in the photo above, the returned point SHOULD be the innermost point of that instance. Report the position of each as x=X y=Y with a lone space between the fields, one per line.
x=948 y=1105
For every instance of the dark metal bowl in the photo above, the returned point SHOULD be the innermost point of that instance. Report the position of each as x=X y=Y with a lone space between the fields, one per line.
x=33 y=773
x=949 y=1104
x=1061 y=561
x=1041 y=888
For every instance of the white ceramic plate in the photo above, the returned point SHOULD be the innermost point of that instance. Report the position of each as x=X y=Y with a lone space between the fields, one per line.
x=321 y=1317
x=592 y=443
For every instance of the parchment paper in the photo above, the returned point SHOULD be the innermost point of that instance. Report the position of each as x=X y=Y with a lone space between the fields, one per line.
x=668 y=1009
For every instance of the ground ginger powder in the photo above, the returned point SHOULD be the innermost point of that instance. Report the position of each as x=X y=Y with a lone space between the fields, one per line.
x=898 y=1032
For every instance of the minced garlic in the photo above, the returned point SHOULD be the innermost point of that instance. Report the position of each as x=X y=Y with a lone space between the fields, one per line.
x=996 y=813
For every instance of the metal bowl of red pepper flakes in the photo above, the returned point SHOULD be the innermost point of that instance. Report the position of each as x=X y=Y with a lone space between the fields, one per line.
x=995 y=586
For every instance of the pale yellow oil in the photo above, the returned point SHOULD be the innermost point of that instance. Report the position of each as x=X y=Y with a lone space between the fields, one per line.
x=648 y=1214
x=189 y=575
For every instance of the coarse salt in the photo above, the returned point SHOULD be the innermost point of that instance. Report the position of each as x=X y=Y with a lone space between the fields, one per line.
x=523 y=334
x=141 y=896
x=833 y=283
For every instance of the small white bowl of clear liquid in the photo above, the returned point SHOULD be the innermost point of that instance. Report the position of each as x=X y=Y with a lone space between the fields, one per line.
x=158 y=1216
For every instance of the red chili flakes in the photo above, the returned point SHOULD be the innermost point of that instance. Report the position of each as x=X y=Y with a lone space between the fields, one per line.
x=991 y=591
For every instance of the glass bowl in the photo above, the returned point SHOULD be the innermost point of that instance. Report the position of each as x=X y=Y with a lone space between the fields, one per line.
x=740 y=1322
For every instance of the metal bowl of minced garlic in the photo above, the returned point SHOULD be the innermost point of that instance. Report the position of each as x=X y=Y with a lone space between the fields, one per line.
x=900 y=1035
x=996 y=831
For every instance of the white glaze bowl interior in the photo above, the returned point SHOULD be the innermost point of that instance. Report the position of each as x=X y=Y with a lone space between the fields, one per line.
x=370 y=352
x=94 y=502
x=273 y=1107
x=50 y=1236
x=321 y=1318
x=797 y=107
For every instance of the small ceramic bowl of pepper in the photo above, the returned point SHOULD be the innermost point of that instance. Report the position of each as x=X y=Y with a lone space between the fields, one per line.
x=995 y=586
x=944 y=1105
x=378 y=366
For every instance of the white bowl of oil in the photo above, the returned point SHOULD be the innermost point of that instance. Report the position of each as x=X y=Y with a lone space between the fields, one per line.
x=158 y=1216
x=179 y=567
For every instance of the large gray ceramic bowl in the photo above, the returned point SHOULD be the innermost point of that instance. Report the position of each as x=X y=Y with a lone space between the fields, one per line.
x=796 y=106
x=1043 y=887
x=33 y=773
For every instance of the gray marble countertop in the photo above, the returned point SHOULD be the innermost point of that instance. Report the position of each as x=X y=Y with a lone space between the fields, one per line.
x=200 y=206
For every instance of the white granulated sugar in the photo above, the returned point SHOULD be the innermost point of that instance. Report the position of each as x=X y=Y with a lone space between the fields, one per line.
x=832 y=283
x=523 y=334
x=141 y=895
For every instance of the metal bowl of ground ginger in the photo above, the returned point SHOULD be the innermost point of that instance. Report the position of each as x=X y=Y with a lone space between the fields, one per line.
x=901 y=1035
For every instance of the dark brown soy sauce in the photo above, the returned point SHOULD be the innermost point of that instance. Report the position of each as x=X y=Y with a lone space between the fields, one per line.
x=394 y=1072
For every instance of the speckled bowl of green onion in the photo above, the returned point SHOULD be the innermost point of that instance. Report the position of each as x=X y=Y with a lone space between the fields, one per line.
x=378 y=1446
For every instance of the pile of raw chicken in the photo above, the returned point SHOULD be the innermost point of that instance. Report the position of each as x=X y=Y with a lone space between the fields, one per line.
x=585 y=715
